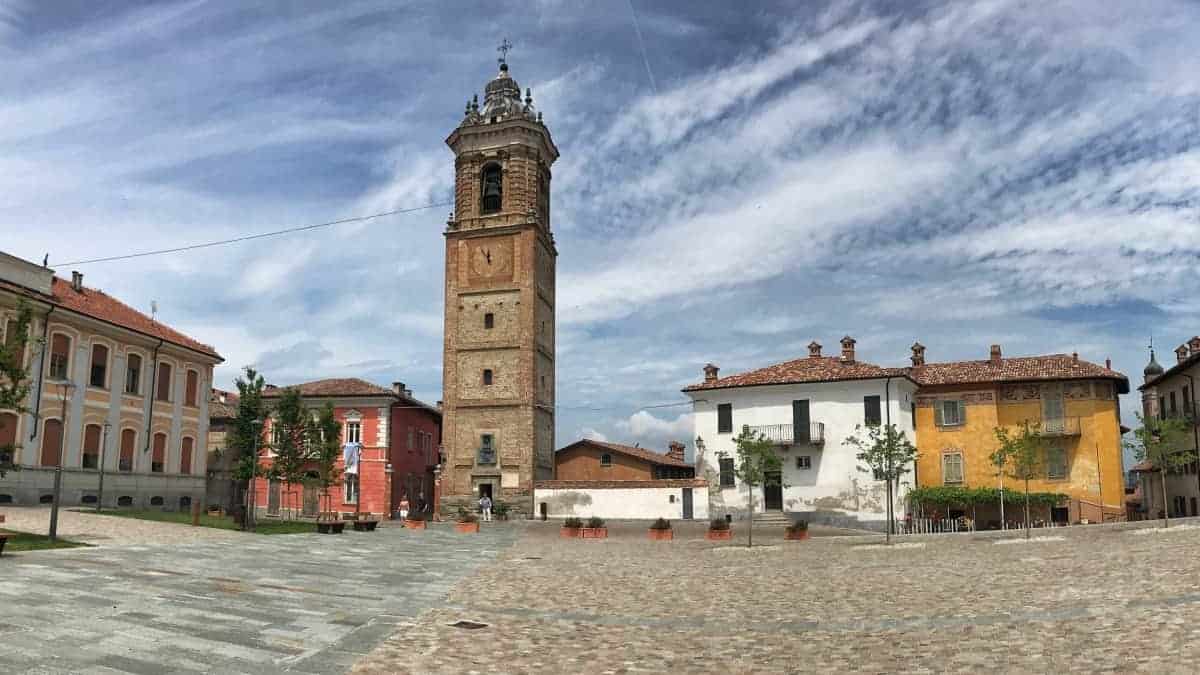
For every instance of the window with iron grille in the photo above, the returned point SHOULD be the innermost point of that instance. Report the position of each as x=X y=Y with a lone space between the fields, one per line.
x=804 y=462
x=606 y=459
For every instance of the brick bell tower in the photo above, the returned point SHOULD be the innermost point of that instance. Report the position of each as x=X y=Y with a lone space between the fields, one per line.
x=498 y=360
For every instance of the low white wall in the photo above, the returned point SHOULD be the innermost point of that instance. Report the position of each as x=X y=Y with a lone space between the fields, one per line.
x=645 y=503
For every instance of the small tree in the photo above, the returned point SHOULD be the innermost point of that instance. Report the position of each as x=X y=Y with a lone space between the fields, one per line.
x=757 y=464
x=289 y=441
x=325 y=438
x=886 y=452
x=245 y=436
x=1163 y=443
x=14 y=378
x=1022 y=455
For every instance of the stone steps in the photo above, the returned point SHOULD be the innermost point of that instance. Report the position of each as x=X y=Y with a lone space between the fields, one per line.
x=772 y=518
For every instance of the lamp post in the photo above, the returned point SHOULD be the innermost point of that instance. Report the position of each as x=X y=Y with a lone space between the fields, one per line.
x=64 y=392
x=103 y=449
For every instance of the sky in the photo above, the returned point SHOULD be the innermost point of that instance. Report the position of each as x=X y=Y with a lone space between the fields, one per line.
x=743 y=179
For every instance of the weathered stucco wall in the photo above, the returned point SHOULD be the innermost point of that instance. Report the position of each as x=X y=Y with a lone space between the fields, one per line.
x=583 y=463
x=634 y=503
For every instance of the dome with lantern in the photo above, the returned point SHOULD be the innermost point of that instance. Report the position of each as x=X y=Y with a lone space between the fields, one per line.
x=501 y=102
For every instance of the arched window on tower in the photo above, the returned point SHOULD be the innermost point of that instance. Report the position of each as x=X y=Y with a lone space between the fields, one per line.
x=492 y=189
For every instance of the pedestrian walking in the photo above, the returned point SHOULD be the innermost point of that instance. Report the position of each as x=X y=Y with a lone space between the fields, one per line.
x=485 y=506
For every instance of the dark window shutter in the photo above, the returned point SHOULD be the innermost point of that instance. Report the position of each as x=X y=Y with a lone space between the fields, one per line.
x=938 y=418
x=725 y=418
x=871 y=410
x=800 y=421
x=962 y=412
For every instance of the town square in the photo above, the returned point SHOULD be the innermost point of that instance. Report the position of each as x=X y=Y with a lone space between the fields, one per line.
x=599 y=337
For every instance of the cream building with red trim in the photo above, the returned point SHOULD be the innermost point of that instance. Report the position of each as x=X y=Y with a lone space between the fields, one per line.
x=97 y=365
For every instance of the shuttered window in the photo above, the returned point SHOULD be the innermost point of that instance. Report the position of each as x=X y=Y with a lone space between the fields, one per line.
x=725 y=418
x=727 y=477
x=133 y=375
x=193 y=388
x=99 y=375
x=163 y=386
x=60 y=356
x=951 y=413
x=871 y=411
x=800 y=422
x=185 y=456
x=1056 y=462
x=91 y=447
x=159 y=459
x=52 y=439
x=952 y=468
x=128 y=440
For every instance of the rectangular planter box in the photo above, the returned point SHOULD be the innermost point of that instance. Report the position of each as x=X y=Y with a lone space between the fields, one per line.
x=719 y=535
x=331 y=527
x=593 y=533
x=414 y=524
x=796 y=536
x=466 y=528
x=569 y=532
x=661 y=535
x=366 y=525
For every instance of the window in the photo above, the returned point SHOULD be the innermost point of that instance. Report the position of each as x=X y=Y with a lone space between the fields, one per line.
x=952 y=468
x=606 y=459
x=133 y=375
x=91 y=447
x=1187 y=399
x=99 y=378
x=164 y=382
x=727 y=478
x=159 y=459
x=52 y=440
x=354 y=432
x=185 y=456
x=487 y=449
x=192 y=389
x=1174 y=407
x=871 y=411
x=350 y=489
x=8 y=437
x=489 y=321
x=60 y=356
x=10 y=333
x=725 y=418
x=410 y=438
x=804 y=462
x=128 y=441
x=492 y=189
x=487 y=377
x=950 y=413
x=1056 y=462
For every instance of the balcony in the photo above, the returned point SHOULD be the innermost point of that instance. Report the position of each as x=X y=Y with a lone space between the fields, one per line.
x=784 y=434
x=1059 y=426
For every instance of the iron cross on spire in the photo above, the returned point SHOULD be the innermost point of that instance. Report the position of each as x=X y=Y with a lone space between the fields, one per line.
x=504 y=48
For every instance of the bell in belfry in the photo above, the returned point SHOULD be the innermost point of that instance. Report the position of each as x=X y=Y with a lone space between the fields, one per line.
x=491 y=189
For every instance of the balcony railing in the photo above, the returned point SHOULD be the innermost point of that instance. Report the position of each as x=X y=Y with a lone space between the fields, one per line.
x=1059 y=426
x=784 y=434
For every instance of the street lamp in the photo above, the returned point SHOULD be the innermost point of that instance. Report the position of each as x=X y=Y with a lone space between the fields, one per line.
x=103 y=448
x=64 y=392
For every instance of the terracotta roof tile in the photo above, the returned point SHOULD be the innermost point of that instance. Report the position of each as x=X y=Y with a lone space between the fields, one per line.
x=348 y=386
x=640 y=453
x=808 y=369
x=1014 y=369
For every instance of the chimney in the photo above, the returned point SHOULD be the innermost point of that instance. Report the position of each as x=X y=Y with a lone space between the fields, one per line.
x=814 y=350
x=1181 y=353
x=439 y=405
x=675 y=450
x=918 y=354
x=1074 y=358
x=848 y=349
x=1108 y=364
x=995 y=355
x=77 y=281
x=1194 y=345
x=710 y=373
x=399 y=389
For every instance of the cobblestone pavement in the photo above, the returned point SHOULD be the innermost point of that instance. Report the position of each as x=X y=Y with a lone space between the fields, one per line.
x=302 y=603
x=91 y=528
x=1088 y=599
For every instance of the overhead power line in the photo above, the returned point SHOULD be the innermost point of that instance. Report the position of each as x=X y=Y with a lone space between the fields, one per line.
x=250 y=237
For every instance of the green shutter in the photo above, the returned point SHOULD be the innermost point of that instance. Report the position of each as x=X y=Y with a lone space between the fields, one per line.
x=937 y=413
x=962 y=412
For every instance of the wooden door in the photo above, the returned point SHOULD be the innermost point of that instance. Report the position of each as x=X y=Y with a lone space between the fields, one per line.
x=800 y=422
x=310 y=506
x=773 y=492
x=687 y=504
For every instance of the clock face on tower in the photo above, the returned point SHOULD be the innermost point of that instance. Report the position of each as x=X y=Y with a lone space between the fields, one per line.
x=491 y=259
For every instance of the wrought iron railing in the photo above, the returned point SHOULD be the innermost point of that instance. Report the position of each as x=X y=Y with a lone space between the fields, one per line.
x=1059 y=426
x=784 y=434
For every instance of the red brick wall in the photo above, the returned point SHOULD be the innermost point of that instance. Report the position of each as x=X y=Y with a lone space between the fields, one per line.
x=412 y=468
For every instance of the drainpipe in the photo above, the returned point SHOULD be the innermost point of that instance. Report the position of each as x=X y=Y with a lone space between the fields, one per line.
x=153 y=393
x=37 y=402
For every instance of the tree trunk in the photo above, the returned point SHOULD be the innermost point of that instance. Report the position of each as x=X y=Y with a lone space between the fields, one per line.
x=750 y=532
x=1026 y=508
x=1162 y=474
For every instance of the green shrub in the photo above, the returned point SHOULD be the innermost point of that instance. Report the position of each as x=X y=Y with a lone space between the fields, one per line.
x=595 y=522
x=661 y=524
x=719 y=524
x=572 y=523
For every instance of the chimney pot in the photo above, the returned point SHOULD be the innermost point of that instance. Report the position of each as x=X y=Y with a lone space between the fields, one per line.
x=996 y=355
x=77 y=281
x=675 y=450
x=399 y=389
x=710 y=372
x=1194 y=345
x=918 y=354
x=814 y=350
x=1108 y=364
x=1181 y=353
x=848 y=349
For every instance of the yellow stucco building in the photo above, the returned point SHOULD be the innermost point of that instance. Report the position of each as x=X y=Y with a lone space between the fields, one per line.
x=1073 y=402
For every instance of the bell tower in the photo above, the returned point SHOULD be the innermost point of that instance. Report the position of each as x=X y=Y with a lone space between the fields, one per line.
x=498 y=358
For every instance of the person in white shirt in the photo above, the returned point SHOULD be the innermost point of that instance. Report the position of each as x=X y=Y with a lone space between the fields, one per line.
x=485 y=505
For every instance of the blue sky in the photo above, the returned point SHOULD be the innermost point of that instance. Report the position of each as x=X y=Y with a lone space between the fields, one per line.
x=956 y=173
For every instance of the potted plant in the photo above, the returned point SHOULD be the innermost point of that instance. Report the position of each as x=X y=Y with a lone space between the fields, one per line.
x=660 y=530
x=500 y=510
x=797 y=531
x=415 y=520
x=719 y=530
x=595 y=529
x=468 y=523
x=570 y=528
